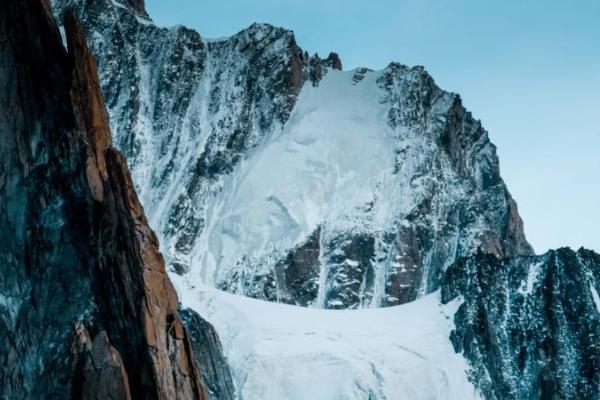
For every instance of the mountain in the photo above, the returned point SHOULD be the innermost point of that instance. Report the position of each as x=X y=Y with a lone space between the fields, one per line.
x=526 y=327
x=87 y=310
x=273 y=174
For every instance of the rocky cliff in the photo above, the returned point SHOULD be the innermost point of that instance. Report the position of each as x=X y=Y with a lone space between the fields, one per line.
x=529 y=326
x=87 y=310
x=271 y=173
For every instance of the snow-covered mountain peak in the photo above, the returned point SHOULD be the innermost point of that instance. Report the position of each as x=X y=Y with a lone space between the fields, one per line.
x=262 y=31
x=271 y=173
x=319 y=214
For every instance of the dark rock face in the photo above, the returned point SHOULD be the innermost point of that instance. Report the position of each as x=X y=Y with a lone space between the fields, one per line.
x=138 y=6
x=86 y=308
x=529 y=326
x=298 y=274
x=350 y=272
x=210 y=361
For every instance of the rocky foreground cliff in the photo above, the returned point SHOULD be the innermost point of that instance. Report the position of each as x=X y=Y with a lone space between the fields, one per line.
x=87 y=310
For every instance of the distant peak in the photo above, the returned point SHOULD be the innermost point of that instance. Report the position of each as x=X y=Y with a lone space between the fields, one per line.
x=333 y=61
x=259 y=31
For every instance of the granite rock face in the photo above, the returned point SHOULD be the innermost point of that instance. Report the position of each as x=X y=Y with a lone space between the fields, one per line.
x=87 y=310
x=194 y=116
x=529 y=326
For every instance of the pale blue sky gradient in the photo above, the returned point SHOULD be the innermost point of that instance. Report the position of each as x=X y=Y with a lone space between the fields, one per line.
x=530 y=70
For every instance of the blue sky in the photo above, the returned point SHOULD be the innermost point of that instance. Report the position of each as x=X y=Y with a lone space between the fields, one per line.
x=530 y=70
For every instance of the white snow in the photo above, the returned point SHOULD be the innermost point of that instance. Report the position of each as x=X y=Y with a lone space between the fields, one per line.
x=534 y=272
x=63 y=37
x=595 y=296
x=278 y=351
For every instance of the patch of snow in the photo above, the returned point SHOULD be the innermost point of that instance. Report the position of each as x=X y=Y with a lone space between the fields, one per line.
x=351 y=263
x=595 y=296
x=63 y=36
x=534 y=272
x=278 y=351
x=11 y=305
x=325 y=164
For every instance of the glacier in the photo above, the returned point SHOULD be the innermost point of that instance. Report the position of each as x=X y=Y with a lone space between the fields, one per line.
x=278 y=351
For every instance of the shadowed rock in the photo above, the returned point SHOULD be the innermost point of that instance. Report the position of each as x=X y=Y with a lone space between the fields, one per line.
x=87 y=309
x=529 y=326
x=208 y=352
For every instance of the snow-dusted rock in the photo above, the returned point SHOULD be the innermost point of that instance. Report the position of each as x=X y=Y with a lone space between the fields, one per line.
x=273 y=174
x=529 y=326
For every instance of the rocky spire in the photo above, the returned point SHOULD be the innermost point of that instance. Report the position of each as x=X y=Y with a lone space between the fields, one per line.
x=87 y=308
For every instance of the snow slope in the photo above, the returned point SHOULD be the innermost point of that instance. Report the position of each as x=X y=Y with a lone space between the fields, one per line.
x=335 y=154
x=285 y=352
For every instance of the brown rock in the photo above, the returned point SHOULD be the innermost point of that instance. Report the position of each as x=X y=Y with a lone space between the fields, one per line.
x=164 y=344
x=79 y=259
x=103 y=373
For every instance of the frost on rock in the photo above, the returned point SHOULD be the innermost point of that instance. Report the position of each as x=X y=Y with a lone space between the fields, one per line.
x=529 y=326
x=272 y=173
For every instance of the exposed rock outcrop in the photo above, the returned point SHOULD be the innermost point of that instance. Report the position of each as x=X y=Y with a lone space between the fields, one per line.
x=529 y=326
x=87 y=310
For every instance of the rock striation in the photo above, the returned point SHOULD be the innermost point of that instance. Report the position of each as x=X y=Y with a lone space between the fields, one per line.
x=87 y=310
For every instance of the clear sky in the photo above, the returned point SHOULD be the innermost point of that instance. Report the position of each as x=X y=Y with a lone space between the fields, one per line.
x=530 y=70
